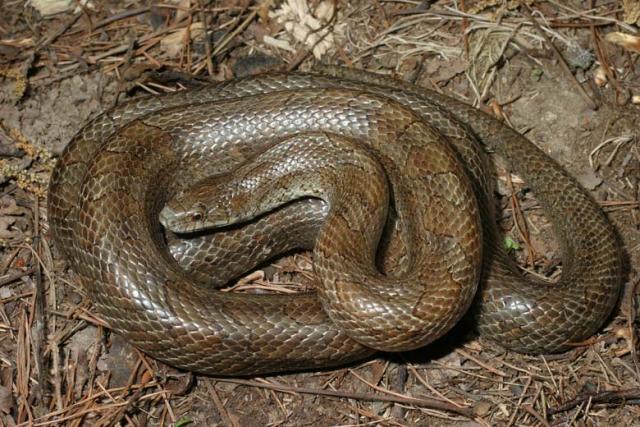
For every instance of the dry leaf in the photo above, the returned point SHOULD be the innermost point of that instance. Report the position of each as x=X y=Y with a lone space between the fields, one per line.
x=174 y=42
x=52 y=7
x=305 y=26
x=627 y=41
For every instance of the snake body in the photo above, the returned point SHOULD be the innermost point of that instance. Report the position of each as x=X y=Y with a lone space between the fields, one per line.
x=122 y=168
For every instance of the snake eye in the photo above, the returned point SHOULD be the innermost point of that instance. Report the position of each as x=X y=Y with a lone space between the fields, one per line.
x=198 y=212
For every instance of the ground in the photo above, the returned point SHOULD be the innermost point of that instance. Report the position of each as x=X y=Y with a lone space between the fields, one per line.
x=59 y=365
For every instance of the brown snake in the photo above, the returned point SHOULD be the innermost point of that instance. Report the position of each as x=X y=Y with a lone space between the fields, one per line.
x=402 y=143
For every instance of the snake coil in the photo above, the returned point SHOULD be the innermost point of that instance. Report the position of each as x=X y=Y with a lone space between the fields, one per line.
x=122 y=168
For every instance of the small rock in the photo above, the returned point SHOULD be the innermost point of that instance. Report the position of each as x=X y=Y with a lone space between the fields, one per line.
x=589 y=179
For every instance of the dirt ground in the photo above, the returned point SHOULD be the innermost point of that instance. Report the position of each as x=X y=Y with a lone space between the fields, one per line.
x=563 y=73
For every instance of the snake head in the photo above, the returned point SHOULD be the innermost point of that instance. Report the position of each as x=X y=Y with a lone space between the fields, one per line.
x=188 y=218
x=203 y=206
x=184 y=220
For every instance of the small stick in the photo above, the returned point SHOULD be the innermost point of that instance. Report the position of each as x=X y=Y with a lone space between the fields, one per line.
x=628 y=301
x=57 y=33
x=40 y=321
x=424 y=402
x=120 y=16
x=5 y=280
x=480 y=363
x=398 y=383
x=235 y=32
x=519 y=404
x=536 y=415
x=222 y=411
x=520 y=221
x=615 y=396
x=602 y=58
x=207 y=42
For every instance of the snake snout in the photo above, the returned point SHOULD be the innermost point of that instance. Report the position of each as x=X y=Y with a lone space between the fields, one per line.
x=168 y=218
x=183 y=221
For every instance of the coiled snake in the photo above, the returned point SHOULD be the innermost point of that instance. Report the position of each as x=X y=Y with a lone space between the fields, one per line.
x=358 y=141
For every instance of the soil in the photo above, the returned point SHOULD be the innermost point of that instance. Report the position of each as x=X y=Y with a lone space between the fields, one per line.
x=72 y=371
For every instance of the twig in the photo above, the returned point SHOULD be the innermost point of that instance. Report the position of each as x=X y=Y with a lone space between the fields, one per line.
x=53 y=346
x=5 y=280
x=433 y=390
x=207 y=42
x=398 y=384
x=480 y=363
x=465 y=27
x=602 y=58
x=616 y=396
x=520 y=222
x=23 y=368
x=235 y=32
x=222 y=411
x=536 y=415
x=423 y=402
x=87 y=403
x=95 y=355
x=58 y=32
x=129 y=403
x=520 y=399
x=40 y=321
x=121 y=15
x=628 y=300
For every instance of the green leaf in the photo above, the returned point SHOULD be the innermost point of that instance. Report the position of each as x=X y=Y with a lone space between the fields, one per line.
x=510 y=244
x=183 y=422
x=536 y=73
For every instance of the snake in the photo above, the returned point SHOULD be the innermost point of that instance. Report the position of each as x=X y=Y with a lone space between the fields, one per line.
x=389 y=184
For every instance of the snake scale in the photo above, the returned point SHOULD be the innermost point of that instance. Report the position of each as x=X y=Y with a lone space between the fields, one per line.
x=353 y=135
